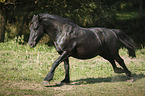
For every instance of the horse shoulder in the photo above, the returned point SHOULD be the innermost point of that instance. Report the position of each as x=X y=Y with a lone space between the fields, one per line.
x=65 y=40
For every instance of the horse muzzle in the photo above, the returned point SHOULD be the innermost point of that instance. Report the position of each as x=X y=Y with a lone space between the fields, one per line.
x=32 y=44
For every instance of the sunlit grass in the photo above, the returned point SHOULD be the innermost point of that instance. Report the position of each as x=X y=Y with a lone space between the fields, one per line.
x=22 y=70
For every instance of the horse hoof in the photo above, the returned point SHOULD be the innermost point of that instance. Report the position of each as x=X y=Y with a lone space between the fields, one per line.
x=63 y=83
x=130 y=79
x=46 y=83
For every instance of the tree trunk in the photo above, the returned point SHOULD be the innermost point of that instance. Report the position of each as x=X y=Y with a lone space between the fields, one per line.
x=141 y=9
x=22 y=25
x=141 y=22
x=3 y=21
x=2 y=27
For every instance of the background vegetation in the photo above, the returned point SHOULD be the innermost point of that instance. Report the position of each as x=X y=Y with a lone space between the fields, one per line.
x=127 y=15
x=23 y=69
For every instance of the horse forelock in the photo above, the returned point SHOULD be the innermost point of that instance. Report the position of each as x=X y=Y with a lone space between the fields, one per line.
x=35 y=18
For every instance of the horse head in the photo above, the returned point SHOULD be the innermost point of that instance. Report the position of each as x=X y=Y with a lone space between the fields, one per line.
x=36 y=31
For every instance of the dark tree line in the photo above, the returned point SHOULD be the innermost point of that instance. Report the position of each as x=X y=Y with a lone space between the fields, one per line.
x=86 y=13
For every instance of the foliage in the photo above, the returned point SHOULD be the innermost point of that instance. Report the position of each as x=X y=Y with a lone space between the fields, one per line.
x=122 y=15
x=2 y=0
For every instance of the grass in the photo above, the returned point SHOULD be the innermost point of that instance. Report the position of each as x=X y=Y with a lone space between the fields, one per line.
x=22 y=70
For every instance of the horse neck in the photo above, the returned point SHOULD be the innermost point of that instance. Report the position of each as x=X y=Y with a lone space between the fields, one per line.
x=54 y=30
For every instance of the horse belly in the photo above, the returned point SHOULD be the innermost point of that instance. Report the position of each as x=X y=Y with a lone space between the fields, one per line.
x=87 y=52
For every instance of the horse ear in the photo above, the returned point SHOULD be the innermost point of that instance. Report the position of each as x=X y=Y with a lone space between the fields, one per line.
x=34 y=15
x=38 y=17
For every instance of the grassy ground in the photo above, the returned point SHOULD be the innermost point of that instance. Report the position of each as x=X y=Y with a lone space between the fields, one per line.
x=23 y=69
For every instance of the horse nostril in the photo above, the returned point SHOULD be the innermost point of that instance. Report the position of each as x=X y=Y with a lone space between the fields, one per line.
x=30 y=44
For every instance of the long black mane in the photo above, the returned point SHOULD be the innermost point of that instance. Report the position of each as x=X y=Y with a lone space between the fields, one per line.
x=57 y=18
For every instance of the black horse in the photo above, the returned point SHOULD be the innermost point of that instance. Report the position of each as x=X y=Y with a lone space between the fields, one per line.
x=82 y=43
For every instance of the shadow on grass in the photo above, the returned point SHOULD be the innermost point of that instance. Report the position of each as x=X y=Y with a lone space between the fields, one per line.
x=118 y=78
x=108 y=79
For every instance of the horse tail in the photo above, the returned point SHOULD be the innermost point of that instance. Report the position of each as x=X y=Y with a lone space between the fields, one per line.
x=127 y=42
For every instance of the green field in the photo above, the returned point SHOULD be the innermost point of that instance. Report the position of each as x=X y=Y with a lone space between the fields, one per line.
x=22 y=70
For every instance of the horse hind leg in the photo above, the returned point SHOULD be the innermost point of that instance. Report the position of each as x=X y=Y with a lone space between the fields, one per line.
x=122 y=64
x=115 y=68
x=112 y=61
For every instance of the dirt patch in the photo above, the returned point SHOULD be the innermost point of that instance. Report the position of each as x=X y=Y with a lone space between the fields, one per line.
x=64 y=88
x=23 y=85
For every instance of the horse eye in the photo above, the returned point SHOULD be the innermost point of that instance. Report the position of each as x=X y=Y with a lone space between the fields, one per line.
x=36 y=27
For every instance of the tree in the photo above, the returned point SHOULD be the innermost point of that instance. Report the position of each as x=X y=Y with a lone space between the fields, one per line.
x=3 y=19
x=141 y=8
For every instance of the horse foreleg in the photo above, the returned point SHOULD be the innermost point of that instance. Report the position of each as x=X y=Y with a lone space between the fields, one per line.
x=66 y=67
x=50 y=75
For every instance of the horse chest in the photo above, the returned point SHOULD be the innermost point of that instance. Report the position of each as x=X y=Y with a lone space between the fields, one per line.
x=61 y=42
